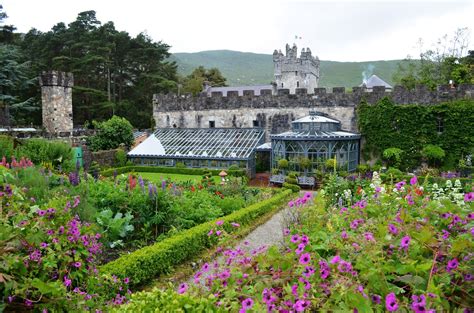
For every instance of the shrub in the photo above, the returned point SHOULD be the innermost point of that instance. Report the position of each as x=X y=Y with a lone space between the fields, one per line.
x=151 y=261
x=120 y=158
x=330 y=164
x=111 y=134
x=393 y=156
x=180 y=165
x=394 y=172
x=292 y=187
x=171 y=170
x=434 y=154
x=56 y=153
x=6 y=147
x=283 y=164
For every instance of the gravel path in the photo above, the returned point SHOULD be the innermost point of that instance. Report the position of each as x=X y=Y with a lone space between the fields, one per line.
x=268 y=234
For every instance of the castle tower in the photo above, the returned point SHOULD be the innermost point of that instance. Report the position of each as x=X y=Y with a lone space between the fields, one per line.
x=56 y=98
x=292 y=72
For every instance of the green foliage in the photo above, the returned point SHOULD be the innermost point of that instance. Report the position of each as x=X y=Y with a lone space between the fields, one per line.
x=6 y=147
x=111 y=134
x=194 y=82
x=292 y=186
x=283 y=164
x=445 y=63
x=39 y=151
x=115 y=228
x=411 y=127
x=330 y=164
x=180 y=165
x=151 y=261
x=120 y=158
x=171 y=170
x=114 y=73
x=394 y=172
x=167 y=301
x=393 y=156
x=433 y=153
x=305 y=163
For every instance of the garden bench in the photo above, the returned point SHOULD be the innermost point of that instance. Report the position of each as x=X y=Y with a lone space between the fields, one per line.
x=306 y=181
x=277 y=179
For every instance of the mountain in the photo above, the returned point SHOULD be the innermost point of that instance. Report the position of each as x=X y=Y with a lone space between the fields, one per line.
x=245 y=68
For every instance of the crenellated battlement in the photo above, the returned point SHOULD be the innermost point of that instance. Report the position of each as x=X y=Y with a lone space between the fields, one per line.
x=274 y=112
x=337 y=96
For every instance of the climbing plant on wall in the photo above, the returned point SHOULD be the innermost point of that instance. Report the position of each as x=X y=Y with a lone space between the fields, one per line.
x=411 y=127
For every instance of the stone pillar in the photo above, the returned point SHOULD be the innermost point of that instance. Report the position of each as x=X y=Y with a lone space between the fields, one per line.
x=56 y=98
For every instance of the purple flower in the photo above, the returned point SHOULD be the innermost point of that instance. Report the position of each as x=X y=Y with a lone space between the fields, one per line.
x=77 y=264
x=405 y=242
x=291 y=204
x=210 y=232
x=67 y=282
x=419 y=303
x=376 y=299
x=468 y=197
x=452 y=265
x=344 y=234
x=41 y=212
x=301 y=305
x=10 y=299
x=391 y=302
x=308 y=271
x=413 y=180
x=305 y=258
x=44 y=245
x=335 y=259
x=369 y=236
x=344 y=266
x=392 y=229
x=28 y=302
x=183 y=288
x=219 y=223
x=295 y=238
x=247 y=303
x=235 y=224
x=286 y=232
x=324 y=269
x=205 y=267
x=218 y=232
x=126 y=280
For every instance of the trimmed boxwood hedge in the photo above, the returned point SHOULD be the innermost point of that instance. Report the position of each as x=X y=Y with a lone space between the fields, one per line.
x=431 y=179
x=144 y=264
x=170 y=170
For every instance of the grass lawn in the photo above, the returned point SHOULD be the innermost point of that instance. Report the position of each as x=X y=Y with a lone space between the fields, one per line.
x=158 y=177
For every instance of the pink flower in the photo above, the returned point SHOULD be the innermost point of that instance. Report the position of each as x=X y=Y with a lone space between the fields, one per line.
x=405 y=242
x=295 y=238
x=235 y=224
x=126 y=280
x=413 y=180
x=468 y=197
x=218 y=232
x=219 y=223
x=392 y=229
x=305 y=258
x=391 y=302
x=183 y=288
x=247 y=303
x=210 y=232
x=344 y=234
x=286 y=232
x=335 y=259
x=77 y=264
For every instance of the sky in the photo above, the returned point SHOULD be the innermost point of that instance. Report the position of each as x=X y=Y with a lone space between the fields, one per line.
x=337 y=30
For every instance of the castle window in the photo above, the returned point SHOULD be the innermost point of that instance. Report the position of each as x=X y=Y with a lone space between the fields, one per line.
x=212 y=124
x=256 y=123
x=296 y=73
x=281 y=85
x=297 y=84
x=439 y=125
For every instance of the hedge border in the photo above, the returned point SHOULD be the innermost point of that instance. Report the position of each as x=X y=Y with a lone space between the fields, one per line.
x=170 y=170
x=431 y=179
x=151 y=261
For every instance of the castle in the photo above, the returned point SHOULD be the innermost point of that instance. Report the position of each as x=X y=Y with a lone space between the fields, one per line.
x=274 y=107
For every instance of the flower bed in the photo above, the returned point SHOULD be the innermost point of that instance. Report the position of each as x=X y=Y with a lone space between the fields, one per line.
x=171 y=170
x=149 y=262
x=394 y=248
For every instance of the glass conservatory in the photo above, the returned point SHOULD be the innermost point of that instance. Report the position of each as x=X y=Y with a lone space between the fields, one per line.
x=213 y=148
x=316 y=137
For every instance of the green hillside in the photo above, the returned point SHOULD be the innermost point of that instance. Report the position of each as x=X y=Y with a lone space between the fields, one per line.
x=244 y=68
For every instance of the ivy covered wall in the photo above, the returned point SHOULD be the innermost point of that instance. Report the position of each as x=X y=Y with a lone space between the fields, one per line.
x=410 y=127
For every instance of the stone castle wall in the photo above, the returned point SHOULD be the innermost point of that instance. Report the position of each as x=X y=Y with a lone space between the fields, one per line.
x=275 y=113
x=56 y=96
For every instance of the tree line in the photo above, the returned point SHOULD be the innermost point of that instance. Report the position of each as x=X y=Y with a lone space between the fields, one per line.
x=114 y=72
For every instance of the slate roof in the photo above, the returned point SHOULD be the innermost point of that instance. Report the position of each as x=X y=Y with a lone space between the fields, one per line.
x=374 y=80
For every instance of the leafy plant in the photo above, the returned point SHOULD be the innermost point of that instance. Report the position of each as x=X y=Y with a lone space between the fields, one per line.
x=433 y=153
x=111 y=134
x=393 y=156
x=115 y=228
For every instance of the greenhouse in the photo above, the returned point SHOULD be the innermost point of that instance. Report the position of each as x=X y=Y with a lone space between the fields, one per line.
x=312 y=140
x=213 y=148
